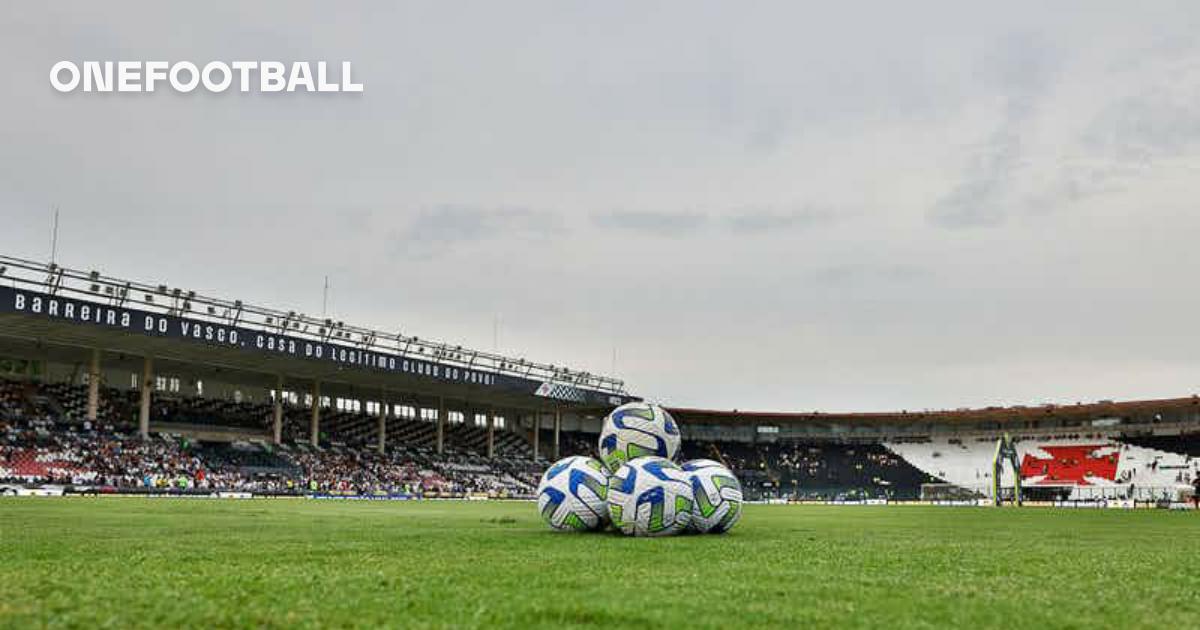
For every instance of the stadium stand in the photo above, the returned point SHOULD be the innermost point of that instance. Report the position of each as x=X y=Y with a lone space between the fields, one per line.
x=207 y=411
x=1082 y=465
x=127 y=385
x=807 y=469
x=44 y=440
x=41 y=442
x=1187 y=443
x=247 y=458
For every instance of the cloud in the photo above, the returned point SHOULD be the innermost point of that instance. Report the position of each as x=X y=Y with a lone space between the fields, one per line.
x=444 y=226
x=1152 y=122
x=981 y=197
x=762 y=220
x=668 y=224
x=984 y=194
x=860 y=274
x=748 y=221
x=908 y=152
x=767 y=133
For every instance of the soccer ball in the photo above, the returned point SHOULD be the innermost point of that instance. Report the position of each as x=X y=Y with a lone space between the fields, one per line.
x=637 y=429
x=572 y=494
x=650 y=496
x=718 y=496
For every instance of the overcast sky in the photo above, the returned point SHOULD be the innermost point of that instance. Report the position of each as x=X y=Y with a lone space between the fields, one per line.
x=789 y=206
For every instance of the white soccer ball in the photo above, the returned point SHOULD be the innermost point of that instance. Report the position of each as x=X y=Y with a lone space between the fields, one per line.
x=717 y=505
x=572 y=494
x=637 y=429
x=650 y=496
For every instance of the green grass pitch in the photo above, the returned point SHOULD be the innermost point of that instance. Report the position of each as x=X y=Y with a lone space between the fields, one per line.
x=117 y=562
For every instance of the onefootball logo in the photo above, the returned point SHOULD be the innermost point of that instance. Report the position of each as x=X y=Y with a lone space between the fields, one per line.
x=215 y=76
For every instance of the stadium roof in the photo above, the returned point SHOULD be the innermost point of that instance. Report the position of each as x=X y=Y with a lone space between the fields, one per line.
x=72 y=308
x=1079 y=411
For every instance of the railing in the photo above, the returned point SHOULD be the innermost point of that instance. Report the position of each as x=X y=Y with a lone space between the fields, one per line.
x=94 y=286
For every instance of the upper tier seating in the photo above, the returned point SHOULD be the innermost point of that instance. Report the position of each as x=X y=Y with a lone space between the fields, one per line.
x=1186 y=444
x=1077 y=462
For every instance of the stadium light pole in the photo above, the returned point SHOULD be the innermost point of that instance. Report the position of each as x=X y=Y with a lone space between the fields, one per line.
x=325 y=299
x=54 y=237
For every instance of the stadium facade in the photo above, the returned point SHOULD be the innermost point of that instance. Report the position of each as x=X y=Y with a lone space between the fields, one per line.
x=1137 y=450
x=254 y=397
x=59 y=318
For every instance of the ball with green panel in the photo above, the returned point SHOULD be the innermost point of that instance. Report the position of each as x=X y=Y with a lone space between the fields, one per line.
x=650 y=496
x=573 y=493
x=635 y=430
x=717 y=494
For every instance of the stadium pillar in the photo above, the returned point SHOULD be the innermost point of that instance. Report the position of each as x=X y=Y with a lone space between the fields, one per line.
x=441 y=425
x=93 y=401
x=315 y=426
x=557 y=430
x=491 y=432
x=383 y=414
x=147 y=386
x=278 y=411
x=537 y=434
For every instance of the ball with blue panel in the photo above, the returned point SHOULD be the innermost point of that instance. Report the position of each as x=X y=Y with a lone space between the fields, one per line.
x=717 y=495
x=573 y=493
x=635 y=430
x=650 y=496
